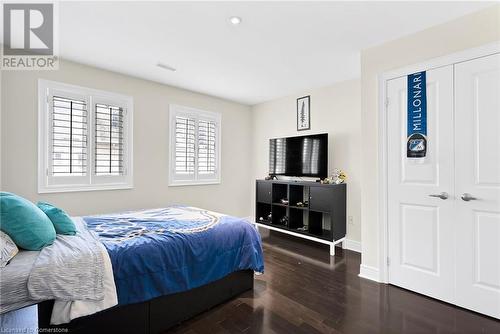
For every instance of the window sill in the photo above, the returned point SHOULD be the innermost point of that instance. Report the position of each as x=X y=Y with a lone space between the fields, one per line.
x=193 y=183
x=94 y=187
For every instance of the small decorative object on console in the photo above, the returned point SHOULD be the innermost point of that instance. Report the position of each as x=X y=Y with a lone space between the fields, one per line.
x=284 y=201
x=338 y=177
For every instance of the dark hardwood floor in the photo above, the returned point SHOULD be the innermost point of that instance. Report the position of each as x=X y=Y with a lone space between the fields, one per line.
x=304 y=290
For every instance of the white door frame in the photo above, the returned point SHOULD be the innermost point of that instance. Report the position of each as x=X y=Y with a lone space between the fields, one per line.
x=451 y=59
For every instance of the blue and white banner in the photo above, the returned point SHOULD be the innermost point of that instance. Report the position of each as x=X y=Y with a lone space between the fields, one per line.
x=417 y=116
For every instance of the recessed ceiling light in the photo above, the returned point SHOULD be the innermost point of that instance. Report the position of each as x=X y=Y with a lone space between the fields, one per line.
x=166 y=67
x=235 y=20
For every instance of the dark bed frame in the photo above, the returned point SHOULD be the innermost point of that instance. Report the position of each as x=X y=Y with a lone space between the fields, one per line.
x=156 y=315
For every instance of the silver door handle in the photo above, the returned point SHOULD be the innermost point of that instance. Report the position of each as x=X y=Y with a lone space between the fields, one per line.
x=468 y=197
x=443 y=195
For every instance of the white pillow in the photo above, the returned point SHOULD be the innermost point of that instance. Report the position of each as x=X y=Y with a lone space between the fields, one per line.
x=8 y=249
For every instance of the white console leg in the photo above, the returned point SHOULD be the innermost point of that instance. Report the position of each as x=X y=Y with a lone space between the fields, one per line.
x=332 y=249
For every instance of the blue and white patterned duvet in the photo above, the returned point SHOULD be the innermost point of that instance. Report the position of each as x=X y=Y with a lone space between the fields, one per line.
x=163 y=251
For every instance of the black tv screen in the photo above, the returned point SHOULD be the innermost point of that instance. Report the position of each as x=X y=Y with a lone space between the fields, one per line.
x=299 y=156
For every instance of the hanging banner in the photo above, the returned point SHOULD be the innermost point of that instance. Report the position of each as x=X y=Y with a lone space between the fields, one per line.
x=416 y=146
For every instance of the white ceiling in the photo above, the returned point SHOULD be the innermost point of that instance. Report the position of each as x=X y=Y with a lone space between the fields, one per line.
x=279 y=49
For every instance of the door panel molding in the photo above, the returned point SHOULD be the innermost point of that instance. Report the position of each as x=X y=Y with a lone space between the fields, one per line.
x=484 y=276
x=411 y=225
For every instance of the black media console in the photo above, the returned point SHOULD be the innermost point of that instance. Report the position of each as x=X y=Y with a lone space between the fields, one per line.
x=309 y=210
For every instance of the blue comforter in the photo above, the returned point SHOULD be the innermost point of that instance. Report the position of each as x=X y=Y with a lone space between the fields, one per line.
x=163 y=251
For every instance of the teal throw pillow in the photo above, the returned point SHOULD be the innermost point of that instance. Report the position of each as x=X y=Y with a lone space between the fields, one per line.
x=62 y=222
x=25 y=223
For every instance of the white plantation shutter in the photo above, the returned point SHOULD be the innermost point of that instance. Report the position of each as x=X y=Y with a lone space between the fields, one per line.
x=207 y=140
x=184 y=146
x=195 y=140
x=84 y=138
x=69 y=137
x=108 y=139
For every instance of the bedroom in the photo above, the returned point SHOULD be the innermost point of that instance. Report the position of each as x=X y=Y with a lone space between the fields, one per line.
x=212 y=86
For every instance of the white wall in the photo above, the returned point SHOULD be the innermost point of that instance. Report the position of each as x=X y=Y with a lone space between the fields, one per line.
x=151 y=100
x=466 y=32
x=335 y=109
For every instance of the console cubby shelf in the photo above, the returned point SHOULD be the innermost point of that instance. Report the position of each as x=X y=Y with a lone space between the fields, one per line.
x=314 y=211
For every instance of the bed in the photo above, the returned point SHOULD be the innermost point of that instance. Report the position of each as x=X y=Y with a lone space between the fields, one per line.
x=168 y=265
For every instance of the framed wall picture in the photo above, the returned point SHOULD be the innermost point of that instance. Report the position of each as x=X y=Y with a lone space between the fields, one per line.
x=304 y=113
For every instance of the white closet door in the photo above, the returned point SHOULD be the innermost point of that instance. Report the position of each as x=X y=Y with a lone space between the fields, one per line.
x=477 y=138
x=421 y=227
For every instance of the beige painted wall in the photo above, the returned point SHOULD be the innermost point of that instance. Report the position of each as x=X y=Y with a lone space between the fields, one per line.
x=151 y=100
x=470 y=31
x=335 y=109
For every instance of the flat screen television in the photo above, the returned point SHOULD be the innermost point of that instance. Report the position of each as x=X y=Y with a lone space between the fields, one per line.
x=299 y=156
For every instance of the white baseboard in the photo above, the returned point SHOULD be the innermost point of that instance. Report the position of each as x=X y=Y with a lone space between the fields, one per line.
x=352 y=245
x=369 y=272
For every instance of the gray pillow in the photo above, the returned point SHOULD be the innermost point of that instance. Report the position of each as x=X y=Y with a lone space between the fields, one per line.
x=8 y=249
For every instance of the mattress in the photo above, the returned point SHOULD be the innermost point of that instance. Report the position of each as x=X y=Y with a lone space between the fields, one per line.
x=14 y=281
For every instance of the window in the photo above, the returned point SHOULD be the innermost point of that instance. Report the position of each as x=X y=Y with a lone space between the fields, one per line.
x=85 y=139
x=194 y=146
